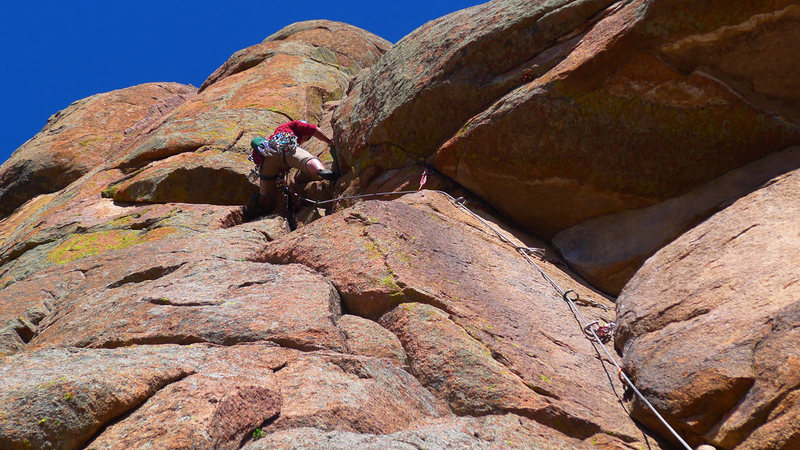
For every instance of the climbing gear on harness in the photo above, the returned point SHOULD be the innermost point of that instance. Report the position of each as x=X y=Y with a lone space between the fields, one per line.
x=281 y=143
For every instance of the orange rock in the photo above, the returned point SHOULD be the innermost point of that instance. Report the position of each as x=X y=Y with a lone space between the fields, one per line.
x=61 y=398
x=82 y=137
x=423 y=249
x=709 y=325
x=232 y=394
x=350 y=393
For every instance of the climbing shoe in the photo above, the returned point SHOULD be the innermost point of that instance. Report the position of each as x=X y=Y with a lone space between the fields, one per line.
x=328 y=175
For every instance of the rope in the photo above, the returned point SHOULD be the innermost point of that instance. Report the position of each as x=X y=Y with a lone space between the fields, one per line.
x=526 y=252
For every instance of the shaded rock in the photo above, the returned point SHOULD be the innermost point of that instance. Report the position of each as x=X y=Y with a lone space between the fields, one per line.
x=505 y=431
x=580 y=154
x=211 y=177
x=545 y=111
x=68 y=394
x=186 y=303
x=424 y=89
x=746 y=49
x=608 y=250
x=367 y=338
x=350 y=393
x=232 y=394
x=84 y=136
x=729 y=288
x=422 y=248
x=353 y=48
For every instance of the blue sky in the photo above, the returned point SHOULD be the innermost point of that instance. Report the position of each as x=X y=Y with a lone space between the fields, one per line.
x=56 y=52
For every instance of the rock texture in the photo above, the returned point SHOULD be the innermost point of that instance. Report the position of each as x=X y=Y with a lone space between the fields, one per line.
x=83 y=136
x=732 y=284
x=561 y=112
x=608 y=250
x=139 y=309
x=473 y=346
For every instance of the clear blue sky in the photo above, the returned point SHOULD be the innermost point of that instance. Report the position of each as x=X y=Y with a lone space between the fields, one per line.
x=56 y=52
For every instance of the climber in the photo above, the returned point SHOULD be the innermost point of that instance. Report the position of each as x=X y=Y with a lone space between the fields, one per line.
x=277 y=154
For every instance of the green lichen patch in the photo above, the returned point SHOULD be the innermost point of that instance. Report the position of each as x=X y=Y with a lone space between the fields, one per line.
x=83 y=245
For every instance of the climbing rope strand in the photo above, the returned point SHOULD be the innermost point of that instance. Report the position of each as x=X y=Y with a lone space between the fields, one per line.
x=353 y=197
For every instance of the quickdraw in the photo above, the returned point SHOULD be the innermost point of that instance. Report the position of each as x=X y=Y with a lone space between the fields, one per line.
x=604 y=332
x=582 y=301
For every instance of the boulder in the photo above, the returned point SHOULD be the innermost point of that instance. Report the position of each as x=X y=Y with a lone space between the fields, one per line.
x=367 y=338
x=212 y=177
x=511 y=323
x=67 y=395
x=350 y=393
x=83 y=136
x=709 y=325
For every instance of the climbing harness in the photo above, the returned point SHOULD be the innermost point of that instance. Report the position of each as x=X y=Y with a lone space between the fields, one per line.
x=592 y=330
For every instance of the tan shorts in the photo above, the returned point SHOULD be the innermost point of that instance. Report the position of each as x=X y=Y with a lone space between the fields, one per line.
x=274 y=164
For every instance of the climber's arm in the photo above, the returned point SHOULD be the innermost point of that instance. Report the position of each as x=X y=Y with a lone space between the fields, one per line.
x=321 y=136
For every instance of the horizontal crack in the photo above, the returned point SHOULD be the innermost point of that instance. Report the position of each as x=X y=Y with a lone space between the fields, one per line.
x=163 y=301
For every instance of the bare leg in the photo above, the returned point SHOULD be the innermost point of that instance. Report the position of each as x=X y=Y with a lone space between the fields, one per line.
x=315 y=168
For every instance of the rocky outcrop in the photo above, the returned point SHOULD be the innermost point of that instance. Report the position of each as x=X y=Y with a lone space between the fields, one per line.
x=558 y=113
x=82 y=137
x=138 y=308
x=473 y=346
x=193 y=159
x=730 y=287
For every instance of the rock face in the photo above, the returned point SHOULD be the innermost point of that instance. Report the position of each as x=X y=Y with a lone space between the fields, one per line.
x=609 y=249
x=83 y=136
x=731 y=286
x=139 y=309
x=557 y=113
x=473 y=346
